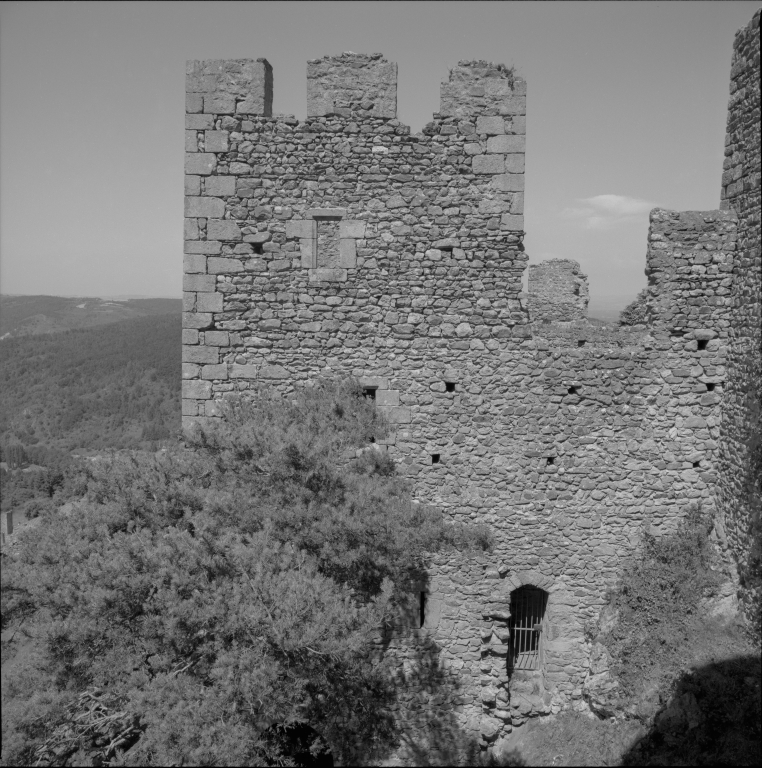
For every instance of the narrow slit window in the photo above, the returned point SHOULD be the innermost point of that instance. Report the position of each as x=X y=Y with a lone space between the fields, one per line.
x=449 y=386
x=369 y=393
x=436 y=458
x=702 y=343
x=422 y=609
x=527 y=614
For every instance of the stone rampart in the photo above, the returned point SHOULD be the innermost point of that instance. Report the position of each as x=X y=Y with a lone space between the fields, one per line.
x=557 y=291
x=342 y=245
x=740 y=486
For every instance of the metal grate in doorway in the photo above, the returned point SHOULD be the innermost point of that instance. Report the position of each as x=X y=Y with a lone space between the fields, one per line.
x=527 y=612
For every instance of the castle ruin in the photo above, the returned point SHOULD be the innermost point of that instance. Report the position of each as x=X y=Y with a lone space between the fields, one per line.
x=344 y=245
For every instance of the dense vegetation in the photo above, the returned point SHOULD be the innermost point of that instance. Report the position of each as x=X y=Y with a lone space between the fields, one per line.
x=203 y=601
x=115 y=386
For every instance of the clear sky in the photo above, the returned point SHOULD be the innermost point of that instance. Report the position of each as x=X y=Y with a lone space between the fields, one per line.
x=626 y=110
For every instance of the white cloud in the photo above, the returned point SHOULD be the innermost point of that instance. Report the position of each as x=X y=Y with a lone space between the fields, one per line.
x=606 y=211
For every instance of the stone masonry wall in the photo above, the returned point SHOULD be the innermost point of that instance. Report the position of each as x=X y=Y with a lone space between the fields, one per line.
x=557 y=291
x=740 y=487
x=342 y=245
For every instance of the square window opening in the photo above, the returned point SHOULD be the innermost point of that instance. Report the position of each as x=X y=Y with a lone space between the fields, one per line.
x=449 y=386
x=710 y=386
x=581 y=342
x=573 y=390
x=702 y=343
x=551 y=460
x=436 y=458
x=369 y=393
x=696 y=464
x=258 y=248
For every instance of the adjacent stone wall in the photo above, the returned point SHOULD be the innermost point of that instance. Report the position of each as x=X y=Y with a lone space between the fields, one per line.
x=740 y=487
x=557 y=291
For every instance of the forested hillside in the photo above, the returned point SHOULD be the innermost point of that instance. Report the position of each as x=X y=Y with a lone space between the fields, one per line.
x=33 y=315
x=114 y=386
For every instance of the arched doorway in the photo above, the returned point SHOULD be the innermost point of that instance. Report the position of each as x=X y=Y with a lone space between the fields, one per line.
x=526 y=625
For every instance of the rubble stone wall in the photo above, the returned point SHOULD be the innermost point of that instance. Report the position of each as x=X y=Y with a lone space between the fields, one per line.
x=557 y=290
x=343 y=245
x=740 y=487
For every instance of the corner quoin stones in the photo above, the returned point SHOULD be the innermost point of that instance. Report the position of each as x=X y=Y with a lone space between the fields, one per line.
x=344 y=245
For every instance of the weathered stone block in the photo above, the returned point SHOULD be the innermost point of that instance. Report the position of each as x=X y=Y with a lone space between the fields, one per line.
x=216 y=141
x=488 y=164
x=209 y=302
x=192 y=185
x=200 y=355
x=220 y=186
x=203 y=283
x=202 y=247
x=508 y=182
x=194 y=102
x=216 y=265
x=198 y=320
x=190 y=370
x=512 y=222
x=190 y=336
x=217 y=338
x=387 y=397
x=190 y=229
x=223 y=229
x=506 y=143
x=219 y=104
x=244 y=371
x=214 y=371
x=204 y=207
x=198 y=122
x=351 y=228
x=347 y=254
x=197 y=390
x=200 y=163
x=303 y=228
x=308 y=252
x=191 y=141
x=490 y=125
x=514 y=163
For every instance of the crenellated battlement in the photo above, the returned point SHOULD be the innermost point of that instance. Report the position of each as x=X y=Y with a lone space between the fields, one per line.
x=352 y=83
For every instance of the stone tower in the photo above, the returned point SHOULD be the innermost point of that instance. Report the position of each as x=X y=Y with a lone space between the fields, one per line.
x=344 y=245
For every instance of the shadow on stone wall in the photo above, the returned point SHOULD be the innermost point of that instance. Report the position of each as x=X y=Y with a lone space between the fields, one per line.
x=427 y=729
x=712 y=718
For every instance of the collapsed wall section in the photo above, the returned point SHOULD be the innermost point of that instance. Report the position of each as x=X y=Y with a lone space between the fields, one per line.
x=740 y=484
x=557 y=291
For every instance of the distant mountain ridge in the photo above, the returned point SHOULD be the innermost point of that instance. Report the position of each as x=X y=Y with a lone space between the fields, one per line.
x=34 y=315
